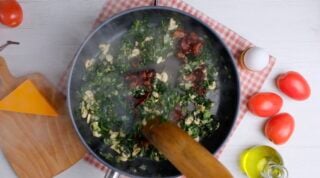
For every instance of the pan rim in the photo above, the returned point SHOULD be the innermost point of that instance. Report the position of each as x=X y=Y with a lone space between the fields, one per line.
x=137 y=9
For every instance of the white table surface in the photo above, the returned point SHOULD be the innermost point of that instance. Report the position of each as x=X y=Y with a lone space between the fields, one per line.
x=289 y=29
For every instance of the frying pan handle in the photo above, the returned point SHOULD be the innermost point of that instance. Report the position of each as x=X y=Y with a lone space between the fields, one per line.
x=111 y=174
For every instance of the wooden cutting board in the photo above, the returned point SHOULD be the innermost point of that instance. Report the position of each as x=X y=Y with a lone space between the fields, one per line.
x=37 y=146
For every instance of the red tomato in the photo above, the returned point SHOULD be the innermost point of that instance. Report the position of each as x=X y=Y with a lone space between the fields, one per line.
x=10 y=13
x=279 y=128
x=294 y=85
x=265 y=104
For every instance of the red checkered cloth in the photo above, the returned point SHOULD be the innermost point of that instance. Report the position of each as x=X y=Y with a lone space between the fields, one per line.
x=250 y=82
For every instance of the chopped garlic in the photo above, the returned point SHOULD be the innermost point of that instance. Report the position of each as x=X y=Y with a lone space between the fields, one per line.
x=205 y=71
x=148 y=38
x=88 y=97
x=104 y=48
x=136 y=150
x=109 y=58
x=84 y=112
x=162 y=77
x=197 y=139
x=115 y=148
x=212 y=86
x=188 y=120
x=95 y=126
x=172 y=24
x=156 y=158
x=197 y=121
x=160 y=59
x=188 y=85
x=114 y=135
x=155 y=94
x=135 y=53
x=145 y=108
x=89 y=63
x=95 y=129
x=89 y=94
x=144 y=122
x=158 y=76
x=124 y=157
x=88 y=118
x=122 y=134
x=201 y=108
x=192 y=97
x=96 y=134
x=115 y=142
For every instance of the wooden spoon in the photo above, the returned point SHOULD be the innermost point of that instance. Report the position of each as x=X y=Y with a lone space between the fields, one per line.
x=187 y=155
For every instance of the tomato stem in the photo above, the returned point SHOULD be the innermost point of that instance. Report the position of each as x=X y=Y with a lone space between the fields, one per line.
x=8 y=43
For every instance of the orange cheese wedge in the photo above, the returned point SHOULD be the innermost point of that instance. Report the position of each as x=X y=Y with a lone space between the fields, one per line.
x=26 y=98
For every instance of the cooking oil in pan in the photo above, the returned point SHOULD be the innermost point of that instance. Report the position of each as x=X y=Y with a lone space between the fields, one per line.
x=262 y=162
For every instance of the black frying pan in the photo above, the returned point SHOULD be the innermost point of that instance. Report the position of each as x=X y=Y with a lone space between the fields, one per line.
x=226 y=96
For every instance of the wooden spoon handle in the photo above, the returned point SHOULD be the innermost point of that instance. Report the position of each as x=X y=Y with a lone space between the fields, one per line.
x=187 y=155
